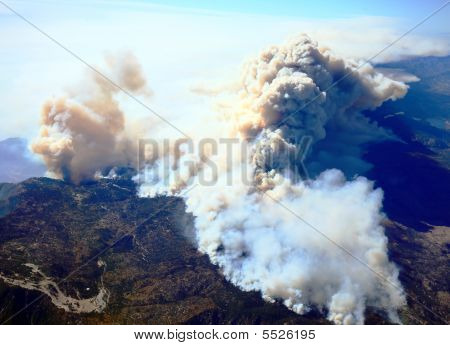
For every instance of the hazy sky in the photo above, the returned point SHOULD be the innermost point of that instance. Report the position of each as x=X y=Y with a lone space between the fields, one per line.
x=183 y=44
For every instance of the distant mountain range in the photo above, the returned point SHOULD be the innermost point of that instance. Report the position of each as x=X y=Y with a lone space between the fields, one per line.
x=423 y=115
x=17 y=162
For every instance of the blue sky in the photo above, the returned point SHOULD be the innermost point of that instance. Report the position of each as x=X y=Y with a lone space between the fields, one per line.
x=184 y=44
x=410 y=10
x=317 y=9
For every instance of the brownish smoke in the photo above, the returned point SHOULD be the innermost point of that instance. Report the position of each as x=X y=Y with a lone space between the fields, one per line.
x=79 y=139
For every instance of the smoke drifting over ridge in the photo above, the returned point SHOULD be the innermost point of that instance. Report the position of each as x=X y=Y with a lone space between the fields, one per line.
x=86 y=133
x=285 y=95
x=263 y=246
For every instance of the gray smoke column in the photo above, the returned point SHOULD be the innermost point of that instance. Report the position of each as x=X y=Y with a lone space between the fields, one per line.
x=259 y=244
x=86 y=133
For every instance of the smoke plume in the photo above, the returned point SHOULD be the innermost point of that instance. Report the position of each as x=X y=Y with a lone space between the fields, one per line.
x=86 y=133
x=287 y=94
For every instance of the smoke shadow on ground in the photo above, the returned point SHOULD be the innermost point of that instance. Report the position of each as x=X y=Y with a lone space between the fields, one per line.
x=416 y=188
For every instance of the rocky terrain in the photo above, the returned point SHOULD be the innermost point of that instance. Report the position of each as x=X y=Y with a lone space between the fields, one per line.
x=98 y=254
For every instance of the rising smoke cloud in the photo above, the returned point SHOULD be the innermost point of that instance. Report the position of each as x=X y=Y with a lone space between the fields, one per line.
x=285 y=94
x=85 y=133
x=265 y=247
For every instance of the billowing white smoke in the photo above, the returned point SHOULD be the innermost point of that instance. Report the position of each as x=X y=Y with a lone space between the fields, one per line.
x=261 y=245
x=86 y=133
